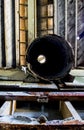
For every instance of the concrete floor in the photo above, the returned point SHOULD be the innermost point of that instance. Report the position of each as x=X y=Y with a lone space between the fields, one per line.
x=12 y=74
x=18 y=74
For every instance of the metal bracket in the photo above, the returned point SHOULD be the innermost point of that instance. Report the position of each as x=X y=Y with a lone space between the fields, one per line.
x=43 y=99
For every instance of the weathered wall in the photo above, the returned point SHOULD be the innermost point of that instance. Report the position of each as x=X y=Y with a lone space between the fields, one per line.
x=61 y=17
x=71 y=24
x=80 y=57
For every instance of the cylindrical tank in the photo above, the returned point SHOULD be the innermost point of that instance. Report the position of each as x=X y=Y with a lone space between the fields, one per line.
x=50 y=57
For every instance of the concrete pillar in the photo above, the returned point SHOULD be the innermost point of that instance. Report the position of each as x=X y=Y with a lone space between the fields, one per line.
x=23 y=30
x=17 y=31
x=0 y=38
x=8 y=31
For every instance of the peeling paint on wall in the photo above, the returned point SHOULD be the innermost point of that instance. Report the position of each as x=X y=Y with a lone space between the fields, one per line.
x=61 y=17
x=80 y=30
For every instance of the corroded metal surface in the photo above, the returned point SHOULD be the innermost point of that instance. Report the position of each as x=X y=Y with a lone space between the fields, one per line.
x=34 y=96
x=41 y=127
x=27 y=123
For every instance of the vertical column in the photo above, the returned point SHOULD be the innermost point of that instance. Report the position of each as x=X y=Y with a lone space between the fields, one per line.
x=71 y=22
x=17 y=31
x=80 y=31
x=31 y=20
x=35 y=18
x=61 y=17
x=0 y=38
x=23 y=7
x=76 y=24
x=66 y=19
x=50 y=17
x=13 y=36
x=8 y=31
x=55 y=17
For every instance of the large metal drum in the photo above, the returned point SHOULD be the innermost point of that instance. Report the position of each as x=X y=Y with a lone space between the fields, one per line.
x=50 y=57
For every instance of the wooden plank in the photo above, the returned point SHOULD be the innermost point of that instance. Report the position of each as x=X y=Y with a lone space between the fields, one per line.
x=23 y=30
x=22 y=49
x=22 y=10
x=22 y=1
x=13 y=106
x=6 y=108
x=22 y=24
x=22 y=36
x=22 y=60
x=69 y=111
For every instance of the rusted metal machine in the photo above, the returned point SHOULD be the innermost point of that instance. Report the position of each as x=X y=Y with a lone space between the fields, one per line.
x=50 y=59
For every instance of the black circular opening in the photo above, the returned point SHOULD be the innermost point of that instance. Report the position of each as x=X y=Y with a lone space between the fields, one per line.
x=56 y=60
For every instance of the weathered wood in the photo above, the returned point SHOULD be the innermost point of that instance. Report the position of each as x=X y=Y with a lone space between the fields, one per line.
x=69 y=111
x=34 y=96
x=80 y=26
x=17 y=30
x=22 y=49
x=13 y=106
x=23 y=32
x=22 y=1
x=6 y=108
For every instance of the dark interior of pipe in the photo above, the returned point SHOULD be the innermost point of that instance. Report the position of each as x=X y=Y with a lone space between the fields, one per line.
x=50 y=57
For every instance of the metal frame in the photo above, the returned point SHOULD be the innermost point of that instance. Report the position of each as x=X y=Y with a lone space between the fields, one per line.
x=76 y=24
x=70 y=91
x=43 y=126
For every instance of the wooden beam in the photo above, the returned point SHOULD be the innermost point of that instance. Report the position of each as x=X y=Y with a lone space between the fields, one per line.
x=23 y=30
x=13 y=106
x=33 y=96
x=6 y=108
x=68 y=110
